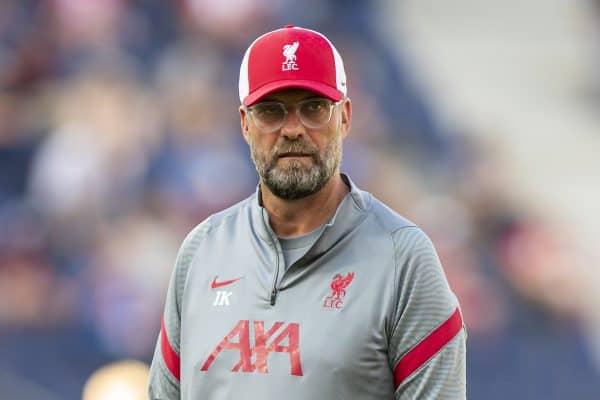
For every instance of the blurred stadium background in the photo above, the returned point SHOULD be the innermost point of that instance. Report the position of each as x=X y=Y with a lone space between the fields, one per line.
x=479 y=120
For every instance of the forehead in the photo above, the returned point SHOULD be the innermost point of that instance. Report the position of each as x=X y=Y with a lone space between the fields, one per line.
x=289 y=95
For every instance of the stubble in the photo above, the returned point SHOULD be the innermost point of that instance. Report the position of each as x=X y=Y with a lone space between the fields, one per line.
x=292 y=179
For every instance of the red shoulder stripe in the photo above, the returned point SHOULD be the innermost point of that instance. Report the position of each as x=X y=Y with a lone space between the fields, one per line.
x=427 y=348
x=169 y=356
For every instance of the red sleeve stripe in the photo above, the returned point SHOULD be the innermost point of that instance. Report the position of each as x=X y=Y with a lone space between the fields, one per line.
x=427 y=348
x=169 y=356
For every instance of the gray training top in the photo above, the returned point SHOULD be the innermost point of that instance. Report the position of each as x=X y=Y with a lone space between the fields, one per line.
x=365 y=313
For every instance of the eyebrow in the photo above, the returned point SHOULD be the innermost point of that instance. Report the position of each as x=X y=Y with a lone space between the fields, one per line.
x=269 y=98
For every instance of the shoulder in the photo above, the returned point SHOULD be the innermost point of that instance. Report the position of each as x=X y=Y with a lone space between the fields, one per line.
x=381 y=216
x=388 y=220
x=408 y=239
x=231 y=214
x=218 y=221
x=205 y=229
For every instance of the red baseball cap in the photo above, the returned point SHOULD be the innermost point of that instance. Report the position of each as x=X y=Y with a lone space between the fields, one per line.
x=291 y=57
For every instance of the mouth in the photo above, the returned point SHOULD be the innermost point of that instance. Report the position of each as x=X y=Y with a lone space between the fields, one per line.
x=294 y=155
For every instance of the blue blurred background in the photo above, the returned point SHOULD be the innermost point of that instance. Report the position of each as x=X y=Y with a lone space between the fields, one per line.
x=119 y=132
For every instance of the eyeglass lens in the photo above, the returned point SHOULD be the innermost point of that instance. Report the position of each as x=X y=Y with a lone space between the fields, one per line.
x=313 y=113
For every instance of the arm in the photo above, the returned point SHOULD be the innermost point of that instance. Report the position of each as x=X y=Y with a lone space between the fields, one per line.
x=427 y=344
x=165 y=369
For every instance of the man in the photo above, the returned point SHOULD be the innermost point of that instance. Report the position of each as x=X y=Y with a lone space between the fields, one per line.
x=310 y=288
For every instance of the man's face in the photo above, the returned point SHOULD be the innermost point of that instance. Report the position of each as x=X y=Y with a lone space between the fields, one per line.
x=295 y=161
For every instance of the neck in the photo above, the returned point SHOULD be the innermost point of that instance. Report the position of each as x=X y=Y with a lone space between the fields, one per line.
x=296 y=217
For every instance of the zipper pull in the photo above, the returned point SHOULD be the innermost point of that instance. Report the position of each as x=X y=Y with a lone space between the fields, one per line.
x=273 y=296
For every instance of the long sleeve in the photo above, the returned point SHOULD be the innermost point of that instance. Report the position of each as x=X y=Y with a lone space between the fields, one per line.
x=164 y=381
x=427 y=345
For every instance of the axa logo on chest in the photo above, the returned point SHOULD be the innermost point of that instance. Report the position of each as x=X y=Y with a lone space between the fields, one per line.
x=255 y=359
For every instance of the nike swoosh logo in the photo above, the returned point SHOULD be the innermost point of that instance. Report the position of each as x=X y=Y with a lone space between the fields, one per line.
x=216 y=284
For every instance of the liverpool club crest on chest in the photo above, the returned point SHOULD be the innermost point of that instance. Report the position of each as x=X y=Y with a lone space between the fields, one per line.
x=338 y=286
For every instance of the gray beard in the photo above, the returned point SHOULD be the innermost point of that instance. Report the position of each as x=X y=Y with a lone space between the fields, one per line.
x=295 y=180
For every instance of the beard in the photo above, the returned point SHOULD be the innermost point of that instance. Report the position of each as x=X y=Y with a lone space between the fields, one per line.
x=292 y=179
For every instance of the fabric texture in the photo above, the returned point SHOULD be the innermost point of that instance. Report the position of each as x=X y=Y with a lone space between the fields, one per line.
x=366 y=313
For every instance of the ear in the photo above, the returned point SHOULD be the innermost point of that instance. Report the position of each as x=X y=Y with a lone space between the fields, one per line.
x=244 y=122
x=346 y=117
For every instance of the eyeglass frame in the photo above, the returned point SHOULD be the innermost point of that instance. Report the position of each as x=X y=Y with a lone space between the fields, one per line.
x=297 y=106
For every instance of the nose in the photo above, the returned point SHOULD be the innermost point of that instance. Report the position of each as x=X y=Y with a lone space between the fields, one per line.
x=292 y=126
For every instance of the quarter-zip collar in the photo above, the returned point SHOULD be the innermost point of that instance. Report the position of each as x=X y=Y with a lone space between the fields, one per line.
x=346 y=217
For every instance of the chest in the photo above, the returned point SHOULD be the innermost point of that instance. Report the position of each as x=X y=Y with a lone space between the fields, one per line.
x=329 y=317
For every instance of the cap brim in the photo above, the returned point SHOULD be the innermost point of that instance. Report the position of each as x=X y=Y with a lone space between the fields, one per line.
x=317 y=87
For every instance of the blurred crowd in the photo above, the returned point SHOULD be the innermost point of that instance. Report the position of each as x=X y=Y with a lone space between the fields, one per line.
x=119 y=132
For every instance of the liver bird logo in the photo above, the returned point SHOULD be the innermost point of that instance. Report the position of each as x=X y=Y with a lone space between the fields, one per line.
x=339 y=285
x=289 y=52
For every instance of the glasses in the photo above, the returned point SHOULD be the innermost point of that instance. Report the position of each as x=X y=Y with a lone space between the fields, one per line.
x=270 y=116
